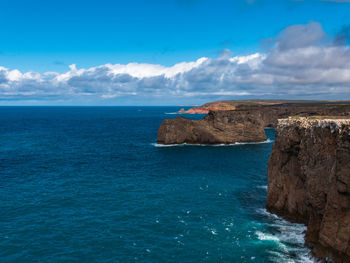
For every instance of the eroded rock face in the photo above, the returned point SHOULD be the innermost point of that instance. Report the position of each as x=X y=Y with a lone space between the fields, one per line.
x=274 y=107
x=243 y=124
x=271 y=114
x=206 y=109
x=309 y=181
x=216 y=128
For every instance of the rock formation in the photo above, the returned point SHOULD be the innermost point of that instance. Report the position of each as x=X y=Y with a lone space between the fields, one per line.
x=309 y=181
x=244 y=124
x=271 y=114
x=196 y=110
x=216 y=128
x=239 y=104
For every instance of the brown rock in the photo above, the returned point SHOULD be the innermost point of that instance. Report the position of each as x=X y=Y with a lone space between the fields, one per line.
x=198 y=110
x=271 y=113
x=309 y=181
x=287 y=105
x=244 y=124
x=216 y=128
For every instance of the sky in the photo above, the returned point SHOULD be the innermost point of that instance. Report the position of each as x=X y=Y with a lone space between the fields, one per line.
x=174 y=52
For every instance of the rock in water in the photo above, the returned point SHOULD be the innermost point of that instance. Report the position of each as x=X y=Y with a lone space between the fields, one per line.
x=309 y=181
x=222 y=127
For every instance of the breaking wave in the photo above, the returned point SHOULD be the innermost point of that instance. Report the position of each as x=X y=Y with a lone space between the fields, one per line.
x=262 y=187
x=288 y=238
x=211 y=145
x=172 y=113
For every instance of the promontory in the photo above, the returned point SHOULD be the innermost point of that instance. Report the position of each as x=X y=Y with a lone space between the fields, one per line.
x=309 y=181
x=245 y=123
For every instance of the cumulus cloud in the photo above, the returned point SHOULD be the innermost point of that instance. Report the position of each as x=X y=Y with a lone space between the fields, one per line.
x=303 y=62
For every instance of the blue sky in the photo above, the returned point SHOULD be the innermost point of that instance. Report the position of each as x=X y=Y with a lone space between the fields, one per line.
x=48 y=36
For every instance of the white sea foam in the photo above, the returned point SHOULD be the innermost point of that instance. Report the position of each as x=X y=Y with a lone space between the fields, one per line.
x=171 y=113
x=264 y=236
x=289 y=238
x=212 y=145
x=262 y=187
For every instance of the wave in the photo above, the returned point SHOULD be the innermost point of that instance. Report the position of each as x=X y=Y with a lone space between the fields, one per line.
x=171 y=113
x=262 y=187
x=212 y=145
x=264 y=236
x=289 y=238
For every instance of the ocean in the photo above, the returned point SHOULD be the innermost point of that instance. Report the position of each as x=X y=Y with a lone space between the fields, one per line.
x=90 y=184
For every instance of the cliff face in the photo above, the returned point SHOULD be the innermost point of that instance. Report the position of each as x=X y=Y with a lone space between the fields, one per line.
x=244 y=124
x=211 y=106
x=309 y=181
x=239 y=104
x=196 y=110
x=271 y=114
x=217 y=127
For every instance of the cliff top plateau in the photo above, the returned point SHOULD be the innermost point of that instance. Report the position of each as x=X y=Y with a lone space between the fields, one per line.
x=236 y=104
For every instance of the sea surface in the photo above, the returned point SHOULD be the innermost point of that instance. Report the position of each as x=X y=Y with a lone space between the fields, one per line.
x=90 y=184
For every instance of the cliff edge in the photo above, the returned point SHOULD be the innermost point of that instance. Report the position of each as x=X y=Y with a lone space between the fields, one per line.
x=309 y=181
x=222 y=127
x=243 y=124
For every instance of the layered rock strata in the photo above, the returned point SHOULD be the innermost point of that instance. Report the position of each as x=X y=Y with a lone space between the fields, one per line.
x=309 y=181
x=238 y=104
x=244 y=124
x=271 y=114
x=222 y=127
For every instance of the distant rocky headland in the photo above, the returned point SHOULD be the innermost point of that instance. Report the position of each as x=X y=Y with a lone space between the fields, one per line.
x=309 y=181
x=228 y=105
x=244 y=123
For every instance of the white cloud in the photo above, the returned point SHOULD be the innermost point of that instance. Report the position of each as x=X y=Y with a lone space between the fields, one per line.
x=303 y=62
x=14 y=75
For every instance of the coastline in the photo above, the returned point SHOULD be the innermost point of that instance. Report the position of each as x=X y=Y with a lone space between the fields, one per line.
x=308 y=178
x=302 y=132
x=210 y=145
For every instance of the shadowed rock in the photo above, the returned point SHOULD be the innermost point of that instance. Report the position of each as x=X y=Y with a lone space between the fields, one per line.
x=309 y=181
x=244 y=124
x=223 y=127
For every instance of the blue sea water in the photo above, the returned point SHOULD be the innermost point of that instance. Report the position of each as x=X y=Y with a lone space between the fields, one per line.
x=89 y=184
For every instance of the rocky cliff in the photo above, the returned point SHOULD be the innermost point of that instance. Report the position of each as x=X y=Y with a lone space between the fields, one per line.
x=309 y=181
x=239 y=104
x=271 y=114
x=210 y=106
x=217 y=127
x=196 y=110
x=244 y=124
